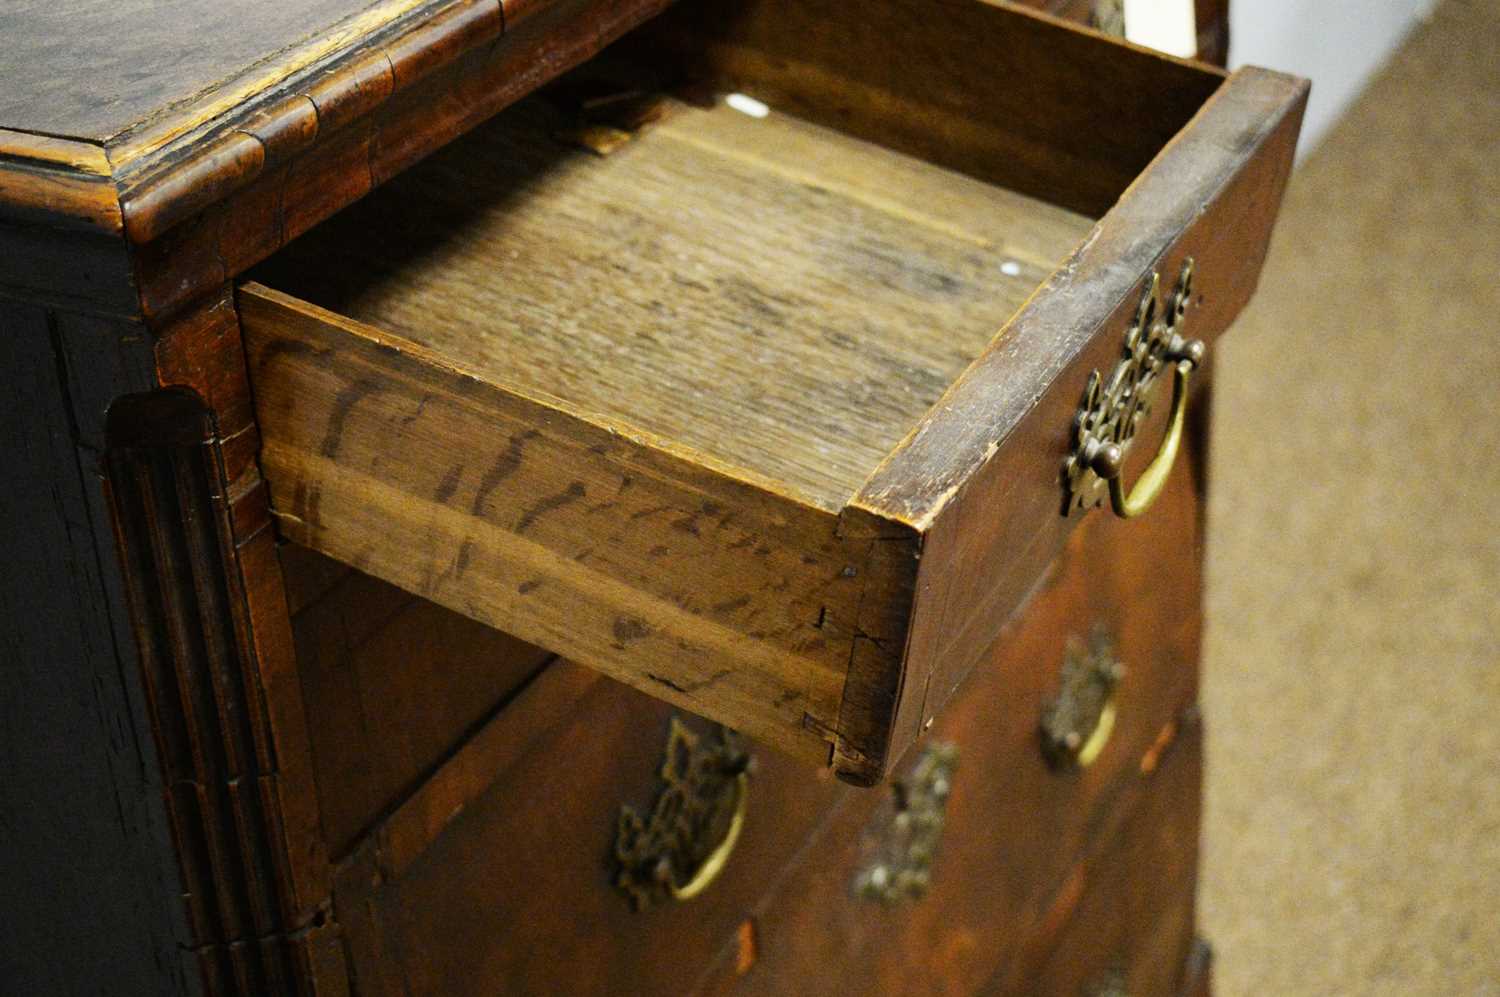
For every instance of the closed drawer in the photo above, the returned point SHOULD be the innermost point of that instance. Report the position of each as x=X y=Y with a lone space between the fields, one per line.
x=1019 y=833
x=499 y=874
x=1129 y=930
x=764 y=415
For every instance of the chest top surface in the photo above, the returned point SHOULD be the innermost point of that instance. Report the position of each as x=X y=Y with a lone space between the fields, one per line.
x=95 y=70
x=131 y=116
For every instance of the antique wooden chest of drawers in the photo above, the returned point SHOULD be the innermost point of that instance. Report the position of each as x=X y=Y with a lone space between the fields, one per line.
x=610 y=496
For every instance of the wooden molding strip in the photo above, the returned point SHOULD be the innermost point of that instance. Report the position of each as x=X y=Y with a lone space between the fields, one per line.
x=59 y=181
x=58 y=153
x=317 y=109
x=152 y=135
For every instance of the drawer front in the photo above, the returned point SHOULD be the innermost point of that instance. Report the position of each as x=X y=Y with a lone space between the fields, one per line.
x=1018 y=829
x=821 y=582
x=499 y=875
x=1131 y=929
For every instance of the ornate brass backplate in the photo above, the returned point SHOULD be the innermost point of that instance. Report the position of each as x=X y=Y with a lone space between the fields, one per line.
x=677 y=849
x=1112 y=411
x=1076 y=724
x=907 y=844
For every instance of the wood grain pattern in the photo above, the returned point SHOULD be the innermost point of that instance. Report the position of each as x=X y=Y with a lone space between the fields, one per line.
x=994 y=90
x=295 y=190
x=979 y=474
x=778 y=297
x=1016 y=831
x=497 y=499
x=201 y=352
x=69 y=199
x=310 y=110
x=91 y=71
x=396 y=683
x=205 y=715
x=972 y=491
x=341 y=63
x=210 y=624
x=480 y=883
x=183 y=757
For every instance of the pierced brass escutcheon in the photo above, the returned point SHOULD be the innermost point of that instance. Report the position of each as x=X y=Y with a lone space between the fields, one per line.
x=679 y=849
x=1110 y=414
x=902 y=867
x=1077 y=724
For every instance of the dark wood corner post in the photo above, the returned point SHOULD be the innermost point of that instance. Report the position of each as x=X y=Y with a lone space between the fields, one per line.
x=209 y=614
x=159 y=829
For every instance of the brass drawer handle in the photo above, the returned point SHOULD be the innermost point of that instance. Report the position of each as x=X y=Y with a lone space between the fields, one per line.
x=1107 y=460
x=672 y=854
x=719 y=857
x=1109 y=415
x=1077 y=724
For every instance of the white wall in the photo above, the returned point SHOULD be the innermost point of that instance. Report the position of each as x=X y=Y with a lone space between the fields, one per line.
x=1338 y=44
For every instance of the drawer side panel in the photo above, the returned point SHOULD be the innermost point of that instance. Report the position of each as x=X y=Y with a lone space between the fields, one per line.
x=713 y=593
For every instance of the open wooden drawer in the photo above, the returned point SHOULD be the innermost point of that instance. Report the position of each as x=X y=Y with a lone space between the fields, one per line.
x=763 y=415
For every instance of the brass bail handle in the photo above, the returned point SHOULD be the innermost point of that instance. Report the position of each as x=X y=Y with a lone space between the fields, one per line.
x=714 y=864
x=1077 y=724
x=1107 y=459
x=667 y=853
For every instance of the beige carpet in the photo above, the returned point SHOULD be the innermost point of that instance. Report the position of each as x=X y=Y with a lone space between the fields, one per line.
x=1352 y=843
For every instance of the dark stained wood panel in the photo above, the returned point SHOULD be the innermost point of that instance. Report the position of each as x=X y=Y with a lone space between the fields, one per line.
x=497 y=877
x=92 y=889
x=90 y=70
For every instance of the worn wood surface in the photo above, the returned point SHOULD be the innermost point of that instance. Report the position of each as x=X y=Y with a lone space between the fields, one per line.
x=717 y=594
x=329 y=76
x=994 y=90
x=210 y=622
x=90 y=71
x=975 y=483
x=175 y=620
x=497 y=876
x=980 y=474
x=395 y=682
x=780 y=298
x=452 y=89
x=160 y=605
x=171 y=621
x=91 y=882
x=1007 y=870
